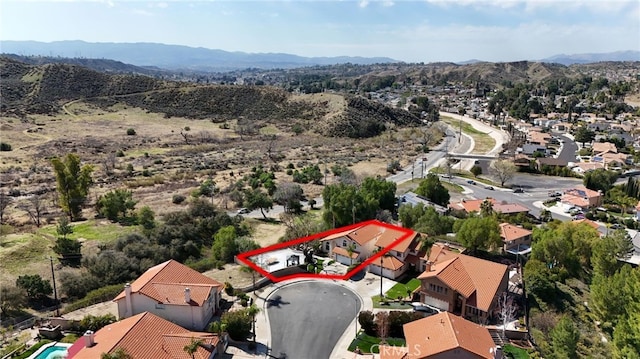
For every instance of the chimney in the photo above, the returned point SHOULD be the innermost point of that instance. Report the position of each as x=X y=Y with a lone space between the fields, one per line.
x=89 y=339
x=128 y=302
x=187 y=295
x=497 y=352
x=427 y=267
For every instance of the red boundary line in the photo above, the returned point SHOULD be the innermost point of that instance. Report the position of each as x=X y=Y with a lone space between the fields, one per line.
x=244 y=257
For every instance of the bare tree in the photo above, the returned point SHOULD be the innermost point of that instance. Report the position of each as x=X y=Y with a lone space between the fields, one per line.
x=109 y=163
x=504 y=170
x=5 y=200
x=185 y=135
x=508 y=310
x=382 y=325
x=35 y=206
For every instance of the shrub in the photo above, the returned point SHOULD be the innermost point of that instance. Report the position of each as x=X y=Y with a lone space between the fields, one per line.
x=131 y=132
x=365 y=318
x=228 y=288
x=94 y=323
x=120 y=153
x=393 y=166
x=5 y=147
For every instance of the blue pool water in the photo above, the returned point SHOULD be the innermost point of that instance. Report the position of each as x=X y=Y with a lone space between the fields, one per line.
x=52 y=352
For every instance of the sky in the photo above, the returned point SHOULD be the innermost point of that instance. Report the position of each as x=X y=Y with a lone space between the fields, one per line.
x=411 y=31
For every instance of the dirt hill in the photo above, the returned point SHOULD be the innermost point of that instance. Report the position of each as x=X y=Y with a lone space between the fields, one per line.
x=44 y=89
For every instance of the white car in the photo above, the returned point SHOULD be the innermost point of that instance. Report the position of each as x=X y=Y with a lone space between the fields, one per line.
x=243 y=211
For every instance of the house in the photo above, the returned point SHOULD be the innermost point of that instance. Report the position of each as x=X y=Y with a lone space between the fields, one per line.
x=474 y=205
x=145 y=336
x=581 y=197
x=360 y=243
x=174 y=292
x=510 y=208
x=517 y=240
x=463 y=285
x=550 y=162
x=588 y=222
x=442 y=336
x=530 y=149
x=599 y=147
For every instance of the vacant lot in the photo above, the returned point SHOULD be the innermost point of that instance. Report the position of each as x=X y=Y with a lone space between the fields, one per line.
x=483 y=142
x=156 y=158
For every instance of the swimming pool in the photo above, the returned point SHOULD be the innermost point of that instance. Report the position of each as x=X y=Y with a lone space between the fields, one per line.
x=51 y=351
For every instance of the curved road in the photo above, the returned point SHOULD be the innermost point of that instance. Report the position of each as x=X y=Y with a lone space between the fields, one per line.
x=308 y=318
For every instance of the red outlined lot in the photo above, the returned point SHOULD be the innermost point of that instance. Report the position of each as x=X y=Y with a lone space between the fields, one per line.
x=244 y=257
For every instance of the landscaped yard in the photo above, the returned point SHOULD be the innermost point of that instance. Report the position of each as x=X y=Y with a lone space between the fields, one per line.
x=403 y=290
x=365 y=343
x=515 y=352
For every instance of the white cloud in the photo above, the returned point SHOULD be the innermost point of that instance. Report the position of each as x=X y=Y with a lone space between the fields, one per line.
x=363 y=3
x=387 y=3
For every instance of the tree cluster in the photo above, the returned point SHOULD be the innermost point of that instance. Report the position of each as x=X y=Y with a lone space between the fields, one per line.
x=347 y=204
x=433 y=190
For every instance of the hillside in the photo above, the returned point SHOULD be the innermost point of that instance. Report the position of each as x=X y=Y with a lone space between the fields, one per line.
x=44 y=89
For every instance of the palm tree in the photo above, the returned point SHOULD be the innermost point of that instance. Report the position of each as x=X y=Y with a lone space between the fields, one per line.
x=192 y=347
x=486 y=208
x=119 y=353
x=350 y=249
x=249 y=269
x=217 y=327
x=252 y=311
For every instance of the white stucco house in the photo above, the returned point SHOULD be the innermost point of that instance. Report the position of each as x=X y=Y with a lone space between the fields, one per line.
x=359 y=244
x=173 y=292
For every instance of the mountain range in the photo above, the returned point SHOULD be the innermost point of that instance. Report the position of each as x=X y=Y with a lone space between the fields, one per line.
x=177 y=57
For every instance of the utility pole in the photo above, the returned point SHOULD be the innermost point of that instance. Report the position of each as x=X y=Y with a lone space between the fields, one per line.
x=55 y=291
x=460 y=132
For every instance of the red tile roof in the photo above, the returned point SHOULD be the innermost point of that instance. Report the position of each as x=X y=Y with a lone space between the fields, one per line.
x=509 y=232
x=383 y=236
x=167 y=281
x=440 y=253
x=343 y=252
x=389 y=262
x=146 y=336
x=476 y=279
x=445 y=332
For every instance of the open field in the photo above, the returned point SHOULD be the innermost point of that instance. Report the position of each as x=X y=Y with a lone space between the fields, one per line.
x=168 y=156
x=483 y=142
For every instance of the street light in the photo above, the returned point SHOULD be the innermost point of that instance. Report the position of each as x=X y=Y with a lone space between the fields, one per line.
x=55 y=291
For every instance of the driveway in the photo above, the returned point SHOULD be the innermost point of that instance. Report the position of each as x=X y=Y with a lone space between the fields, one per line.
x=308 y=318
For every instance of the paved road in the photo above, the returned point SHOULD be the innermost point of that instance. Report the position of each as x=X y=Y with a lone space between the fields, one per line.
x=536 y=188
x=308 y=318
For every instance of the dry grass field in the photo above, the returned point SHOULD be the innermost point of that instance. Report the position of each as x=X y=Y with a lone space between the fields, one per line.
x=169 y=156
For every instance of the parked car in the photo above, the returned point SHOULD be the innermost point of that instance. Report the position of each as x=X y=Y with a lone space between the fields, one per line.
x=490 y=188
x=243 y=211
x=518 y=190
x=579 y=216
x=571 y=209
x=617 y=226
x=425 y=309
x=471 y=182
x=555 y=194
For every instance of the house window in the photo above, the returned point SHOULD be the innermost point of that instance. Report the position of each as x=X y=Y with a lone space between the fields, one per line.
x=344 y=242
x=159 y=306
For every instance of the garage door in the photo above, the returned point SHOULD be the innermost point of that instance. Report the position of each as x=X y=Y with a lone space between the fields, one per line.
x=342 y=259
x=440 y=304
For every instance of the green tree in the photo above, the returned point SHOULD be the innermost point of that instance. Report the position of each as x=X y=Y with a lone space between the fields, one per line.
x=478 y=233
x=607 y=252
x=224 y=244
x=538 y=280
x=476 y=171
x=564 y=339
x=192 y=347
x=118 y=353
x=73 y=181
x=238 y=324
x=11 y=298
x=504 y=170
x=486 y=208
x=256 y=199
x=146 y=218
x=35 y=286
x=600 y=180
x=63 y=228
x=433 y=190
x=608 y=296
x=289 y=196
x=69 y=249
x=381 y=190
x=96 y=322
x=116 y=205
x=425 y=219
x=345 y=204
x=583 y=135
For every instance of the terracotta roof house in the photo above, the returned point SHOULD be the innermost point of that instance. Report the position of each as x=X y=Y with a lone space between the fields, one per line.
x=599 y=147
x=588 y=222
x=510 y=208
x=360 y=243
x=581 y=197
x=551 y=162
x=444 y=335
x=174 y=292
x=470 y=205
x=464 y=285
x=515 y=238
x=145 y=336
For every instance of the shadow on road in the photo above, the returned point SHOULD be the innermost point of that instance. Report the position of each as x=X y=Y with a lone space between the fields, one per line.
x=276 y=301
